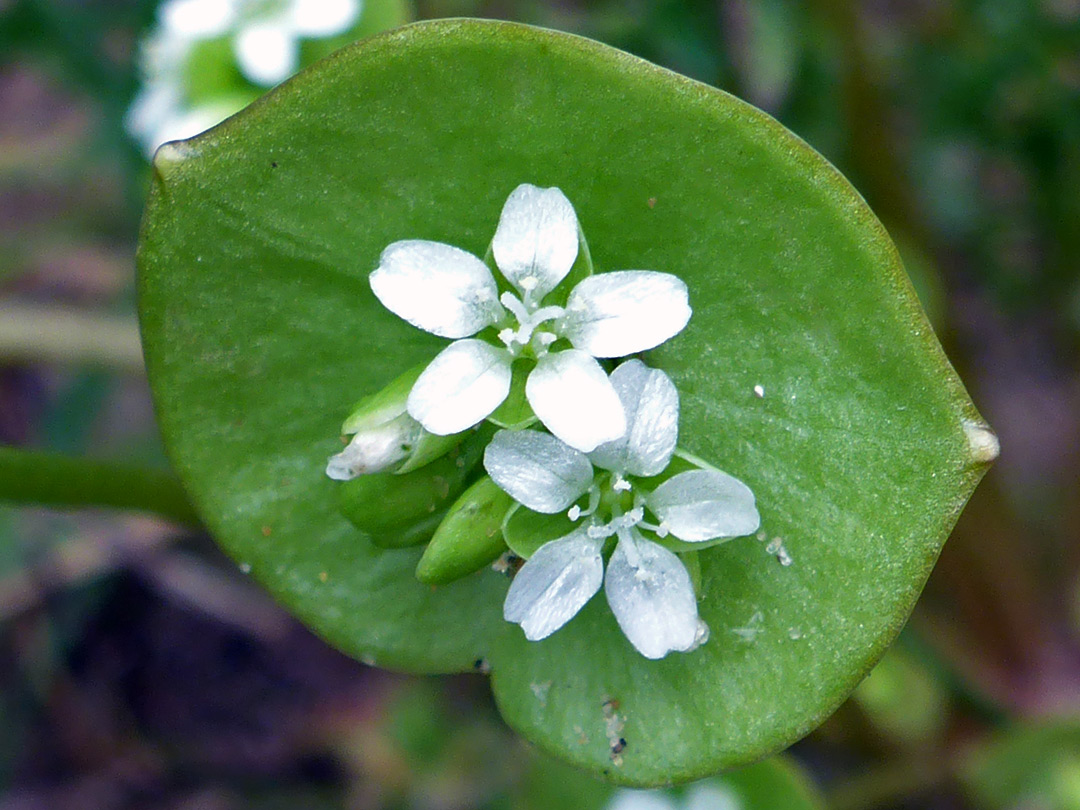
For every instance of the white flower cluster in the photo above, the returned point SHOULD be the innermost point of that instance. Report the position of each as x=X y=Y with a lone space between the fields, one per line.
x=452 y=294
x=647 y=586
x=609 y=436
x=263 y=36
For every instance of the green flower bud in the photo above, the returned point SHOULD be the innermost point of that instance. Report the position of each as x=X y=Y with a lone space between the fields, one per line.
x=385 y=438
x=383 y=406
x=403 y=510
x=469 y=537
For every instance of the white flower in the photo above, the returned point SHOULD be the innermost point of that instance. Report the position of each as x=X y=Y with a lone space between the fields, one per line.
x=264 y=36
x=625 y=799
x=646 y=585
x=453 y=294
x=711 y=795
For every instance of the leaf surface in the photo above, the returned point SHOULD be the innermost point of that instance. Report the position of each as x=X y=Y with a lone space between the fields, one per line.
x=260 y=330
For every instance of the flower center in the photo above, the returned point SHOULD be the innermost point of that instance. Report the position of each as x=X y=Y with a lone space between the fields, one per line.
x=618 y=523
x=614 y=496
x=522 y=338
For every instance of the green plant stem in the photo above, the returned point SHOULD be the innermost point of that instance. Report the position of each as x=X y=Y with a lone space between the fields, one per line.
x=874 y=154
x=50 y=479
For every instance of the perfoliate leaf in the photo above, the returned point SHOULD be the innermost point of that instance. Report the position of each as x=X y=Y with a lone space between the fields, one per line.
x=807 y=371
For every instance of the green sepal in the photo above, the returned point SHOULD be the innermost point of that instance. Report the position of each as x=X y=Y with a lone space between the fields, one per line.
x=469 y=537
x=429 y=448
x=515 y=412
x=525 y=530
x=389 y=507
x=384 y=405
x=582 y=269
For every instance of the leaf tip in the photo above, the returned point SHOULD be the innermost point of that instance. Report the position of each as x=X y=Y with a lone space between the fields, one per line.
x=170 y=155
x=982 y=442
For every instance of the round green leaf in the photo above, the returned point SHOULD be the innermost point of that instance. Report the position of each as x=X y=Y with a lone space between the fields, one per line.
x=260 y=331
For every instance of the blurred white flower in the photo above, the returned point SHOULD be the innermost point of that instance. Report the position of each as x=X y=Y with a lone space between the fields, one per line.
x=627 y=799
x=264 y=37
x=710 y=795
x=265 y=34
x=647 y=586
x=452 y=294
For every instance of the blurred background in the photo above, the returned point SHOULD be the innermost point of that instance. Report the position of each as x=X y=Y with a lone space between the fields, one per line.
x=140 y=669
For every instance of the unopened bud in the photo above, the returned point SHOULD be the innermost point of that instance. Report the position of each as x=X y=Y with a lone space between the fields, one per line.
x=383 y=406
x=403 y=510
x=376 y=449
x=385 y=438
x=469 y=537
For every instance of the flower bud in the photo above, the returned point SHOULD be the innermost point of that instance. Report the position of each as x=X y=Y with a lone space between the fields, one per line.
x=383 y=406
x=403 y=510
x=376 y=449
x=385 y=438
x=469 y=537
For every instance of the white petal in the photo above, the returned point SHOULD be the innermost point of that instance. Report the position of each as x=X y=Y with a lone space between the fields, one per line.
x=197 y=19
x=189 y=123
x=464 y=383
x=711 y=796
x=267 y=52
x=156 y=102
x=625 y=312
x=704 y=505
x=536 y=242
x=650 y=593
x=651 y=404
x=574 y=398
x=438 y=288
x=641 y=800
x=323 y=18
x=554 y=584
x=537 y=470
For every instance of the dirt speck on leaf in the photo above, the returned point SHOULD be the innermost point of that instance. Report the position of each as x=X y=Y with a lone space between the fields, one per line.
x=540 y=690
x=614 y=723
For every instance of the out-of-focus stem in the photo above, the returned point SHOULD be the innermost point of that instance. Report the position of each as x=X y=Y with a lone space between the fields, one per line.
x=50 y=479
x=874 y=153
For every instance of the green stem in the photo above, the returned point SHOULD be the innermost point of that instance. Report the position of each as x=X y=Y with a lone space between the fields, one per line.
x=51 y=479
